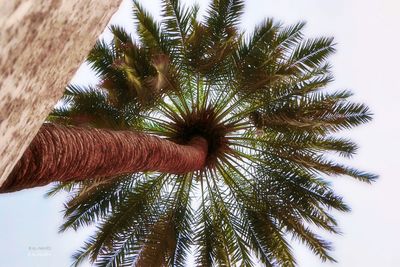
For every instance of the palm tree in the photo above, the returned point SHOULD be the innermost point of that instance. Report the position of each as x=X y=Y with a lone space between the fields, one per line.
x=241 y=123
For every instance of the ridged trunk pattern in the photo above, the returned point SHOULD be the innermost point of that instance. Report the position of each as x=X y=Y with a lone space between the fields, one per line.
x=60 y=153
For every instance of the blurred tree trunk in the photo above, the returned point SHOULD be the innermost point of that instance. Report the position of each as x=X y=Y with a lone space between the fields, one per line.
x=42 y=43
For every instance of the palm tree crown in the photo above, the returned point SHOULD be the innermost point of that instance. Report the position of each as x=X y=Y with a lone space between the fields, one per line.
x=258 y=100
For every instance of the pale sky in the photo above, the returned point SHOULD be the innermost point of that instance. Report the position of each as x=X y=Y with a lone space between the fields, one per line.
x=367 y=33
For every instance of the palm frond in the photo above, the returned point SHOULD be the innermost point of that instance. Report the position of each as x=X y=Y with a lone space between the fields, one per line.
x=149 y=30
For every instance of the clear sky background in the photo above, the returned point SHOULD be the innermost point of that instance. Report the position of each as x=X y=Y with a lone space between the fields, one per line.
x=367 y=62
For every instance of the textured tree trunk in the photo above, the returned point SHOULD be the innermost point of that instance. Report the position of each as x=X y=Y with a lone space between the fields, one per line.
x=60 y=153
x=42 y=44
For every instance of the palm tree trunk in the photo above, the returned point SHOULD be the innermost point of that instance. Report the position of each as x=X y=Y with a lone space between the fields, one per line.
x=60 y=153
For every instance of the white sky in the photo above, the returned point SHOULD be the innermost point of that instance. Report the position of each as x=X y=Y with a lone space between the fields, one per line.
x=367 y=62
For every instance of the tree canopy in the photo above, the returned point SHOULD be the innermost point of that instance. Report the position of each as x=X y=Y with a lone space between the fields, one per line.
x=259 y=99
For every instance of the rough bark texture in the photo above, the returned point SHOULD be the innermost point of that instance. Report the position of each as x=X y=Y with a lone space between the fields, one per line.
x=42 y=43
x=60 y=153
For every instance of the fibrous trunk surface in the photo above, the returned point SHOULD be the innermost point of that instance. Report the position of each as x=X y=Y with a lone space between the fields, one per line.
x=60 y=153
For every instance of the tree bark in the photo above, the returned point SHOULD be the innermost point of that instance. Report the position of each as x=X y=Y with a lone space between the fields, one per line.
x=60 y=153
